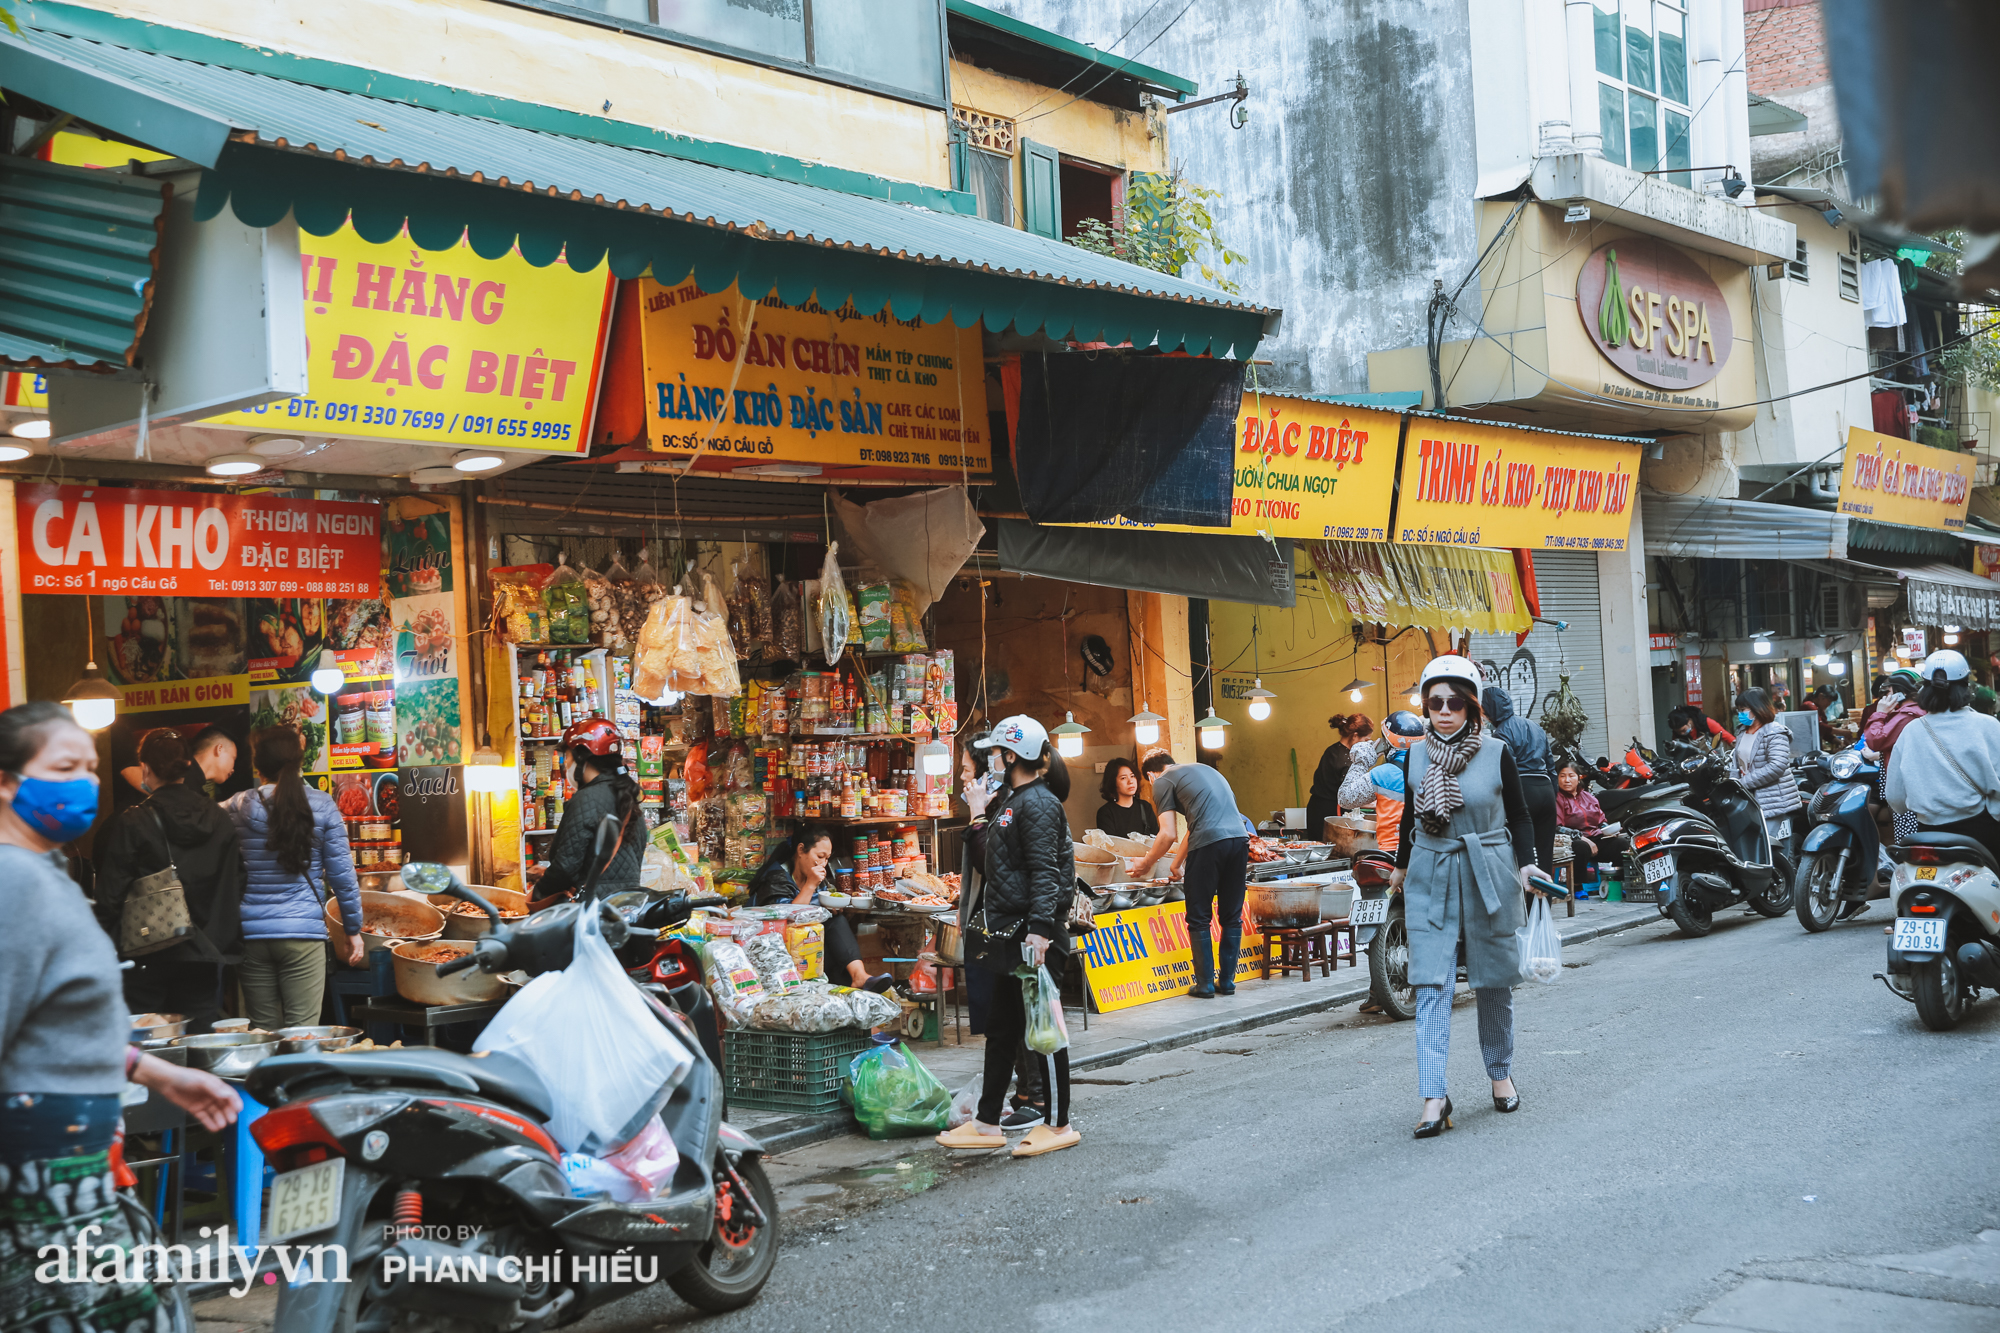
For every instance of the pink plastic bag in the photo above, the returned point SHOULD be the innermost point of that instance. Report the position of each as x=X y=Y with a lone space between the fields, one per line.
x=650 y=1158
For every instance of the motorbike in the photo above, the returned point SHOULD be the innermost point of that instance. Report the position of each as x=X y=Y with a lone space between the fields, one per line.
x=1838 y=873
x=426 y=1162
x=1710 y=848
x=1941 y=949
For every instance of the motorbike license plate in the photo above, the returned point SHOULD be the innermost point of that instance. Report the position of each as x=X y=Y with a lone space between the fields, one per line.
x=1368 y=912
x=1659 y=868
x=306 y=1200
x=1779 y=828
x=1916 y=935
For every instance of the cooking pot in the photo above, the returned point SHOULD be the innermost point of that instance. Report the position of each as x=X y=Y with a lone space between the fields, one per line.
x=403 y=916
x=229 y=1054
x=151 y=1027
x=950 y=941
x=298 y=1041
x=511 y=905
x=1284 y=904
x=418 y=982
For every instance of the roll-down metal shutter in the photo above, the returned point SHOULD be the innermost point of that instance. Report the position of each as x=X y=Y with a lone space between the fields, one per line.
x=1568 y=584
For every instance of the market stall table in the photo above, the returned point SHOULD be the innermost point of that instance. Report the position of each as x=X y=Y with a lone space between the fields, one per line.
x=428 y=1017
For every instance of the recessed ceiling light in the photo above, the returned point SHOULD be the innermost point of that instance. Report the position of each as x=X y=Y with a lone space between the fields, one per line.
x=473 y=460
x=235 y=465
x=277 y=446
x=437 y=476
x=34 y=428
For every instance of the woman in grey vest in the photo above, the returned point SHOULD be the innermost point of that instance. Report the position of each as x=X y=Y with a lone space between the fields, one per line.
x=1462 y=864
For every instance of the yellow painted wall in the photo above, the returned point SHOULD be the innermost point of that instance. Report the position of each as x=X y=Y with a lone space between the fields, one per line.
x=554 y=61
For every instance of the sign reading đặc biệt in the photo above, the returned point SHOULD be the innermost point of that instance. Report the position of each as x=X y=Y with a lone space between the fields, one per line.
x=1654 y=313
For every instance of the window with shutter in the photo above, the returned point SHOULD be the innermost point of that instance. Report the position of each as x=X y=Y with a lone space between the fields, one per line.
x=1041 y=190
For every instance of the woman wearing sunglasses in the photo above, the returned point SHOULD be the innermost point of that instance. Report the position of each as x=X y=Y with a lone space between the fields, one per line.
x=1467 y=840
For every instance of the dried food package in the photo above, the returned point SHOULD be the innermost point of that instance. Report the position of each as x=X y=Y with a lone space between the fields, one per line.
x=748 y=813
x=877 y=625
x=700 y=778
x=773 y=961
x=715 y=652
x=629 y=608
x=833 y=607
x=905 y=621
x=753 y=591
x=712 y=828
x=567 y=602
x=742 y=769
x=697 y=722
x=603 y=608
x=653 y=654
x=519 y=615
x=718 y=712
x=788 y=630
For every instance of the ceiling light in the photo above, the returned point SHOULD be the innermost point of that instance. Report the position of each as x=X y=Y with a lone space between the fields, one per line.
x=93 y=700
x=276 y=446
x=1212 y=730
x=1145 y=725
x=1760 y=643
x=1260 y=700
x=1354 y=688
x=235 y=465
x=34 y=428
x=1069 y=736
x=487 y=771
x=475 y=460
x=437 y=476
x=328 y=677
x=14 y=453
x=1836 y=668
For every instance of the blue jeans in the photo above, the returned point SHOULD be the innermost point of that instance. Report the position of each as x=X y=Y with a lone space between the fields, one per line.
x=43 y=1126
x=1214 y=878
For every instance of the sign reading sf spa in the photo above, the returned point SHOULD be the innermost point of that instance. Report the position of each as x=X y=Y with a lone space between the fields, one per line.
x=1467 y=483
x=1654 y=313
x=91 y=540
x=1897 y=481
x=749 y=384
x=443 y=347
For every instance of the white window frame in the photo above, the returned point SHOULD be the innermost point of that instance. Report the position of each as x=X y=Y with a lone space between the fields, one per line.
x=1618 y=147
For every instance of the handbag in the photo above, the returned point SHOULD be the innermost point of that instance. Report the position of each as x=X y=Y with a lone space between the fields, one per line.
x=1082 y=911
x=155 y=915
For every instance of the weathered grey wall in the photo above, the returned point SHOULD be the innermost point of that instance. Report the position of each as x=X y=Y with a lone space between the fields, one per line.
x=1351 y=187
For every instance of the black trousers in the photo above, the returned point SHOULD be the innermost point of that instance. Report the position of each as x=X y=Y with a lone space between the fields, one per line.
x=1540 y=794
x=1214 y=877
x=1982 y=826
x=171 y=986
x=1006 y=1027
x=841 y=948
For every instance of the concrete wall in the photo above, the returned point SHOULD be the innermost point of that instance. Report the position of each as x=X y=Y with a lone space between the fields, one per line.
x=1352 y=186
x=1785 y=46
x=550 y=60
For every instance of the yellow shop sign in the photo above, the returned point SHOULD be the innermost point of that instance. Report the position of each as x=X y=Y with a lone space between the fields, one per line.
x=444 y=347
x=1896 y=481
x=1468 y=483
x=751 y=384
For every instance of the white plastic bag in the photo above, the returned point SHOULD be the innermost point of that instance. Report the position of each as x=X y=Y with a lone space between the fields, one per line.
x=587 y=1031
x=965 y=1103
x=833 y=607
x=1541 y=946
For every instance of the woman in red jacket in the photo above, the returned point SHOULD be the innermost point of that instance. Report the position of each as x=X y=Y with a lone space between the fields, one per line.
x=1893 y=711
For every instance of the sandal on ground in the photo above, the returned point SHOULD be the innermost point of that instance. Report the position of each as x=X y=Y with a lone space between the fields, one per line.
x=1047 y=1138
x=968 y=1135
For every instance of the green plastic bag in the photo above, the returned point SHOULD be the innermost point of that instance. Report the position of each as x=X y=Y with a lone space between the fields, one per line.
x=894 y=1096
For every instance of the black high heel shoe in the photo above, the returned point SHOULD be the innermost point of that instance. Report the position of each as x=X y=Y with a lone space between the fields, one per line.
x=1430 y=1129
x=1505 y=1105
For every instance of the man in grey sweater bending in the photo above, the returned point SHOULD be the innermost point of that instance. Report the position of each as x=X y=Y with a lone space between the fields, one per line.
x=1945 y=769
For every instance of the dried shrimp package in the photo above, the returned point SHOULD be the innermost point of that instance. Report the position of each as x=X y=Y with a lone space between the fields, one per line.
x=568 y=604
x=788 y=628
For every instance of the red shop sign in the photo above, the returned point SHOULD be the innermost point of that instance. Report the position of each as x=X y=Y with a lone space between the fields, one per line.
x=89 y=539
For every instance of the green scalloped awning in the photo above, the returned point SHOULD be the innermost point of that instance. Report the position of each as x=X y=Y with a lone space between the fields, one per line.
x=326 y=156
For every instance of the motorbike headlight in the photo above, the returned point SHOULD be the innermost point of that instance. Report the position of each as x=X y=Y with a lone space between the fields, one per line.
x=1844 y=765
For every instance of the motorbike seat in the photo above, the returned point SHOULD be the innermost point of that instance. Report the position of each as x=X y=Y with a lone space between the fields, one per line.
x=1618 y=798
x=496 y=1075
x=1957 y=842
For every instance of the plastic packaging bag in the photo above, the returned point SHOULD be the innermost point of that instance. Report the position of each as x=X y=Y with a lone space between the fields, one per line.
x=788 y=631
x=877 y=625
x=965 y=1103
x=567 y=602
x=832 y=607
x=519 y=614
x=588 y=1032
x=773 y=961
x=869 y=1009
x=1541 y=946
x=627 y=612
x=649 y=1160
x=1047 y=1033
x=894 y=1096
x=589 y=1176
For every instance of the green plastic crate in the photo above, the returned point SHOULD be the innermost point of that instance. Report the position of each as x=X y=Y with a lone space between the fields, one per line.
x=789 y=1071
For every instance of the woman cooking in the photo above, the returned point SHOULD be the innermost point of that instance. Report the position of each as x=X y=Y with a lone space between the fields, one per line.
x=1467 y=843
x=795 y=871
x=1123 y=814
x=593 y=757
x=64 y=1058
x=1323 y=801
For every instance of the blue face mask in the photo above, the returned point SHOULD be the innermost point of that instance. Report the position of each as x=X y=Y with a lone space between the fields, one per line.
x=1743 y=718
x=59 y=811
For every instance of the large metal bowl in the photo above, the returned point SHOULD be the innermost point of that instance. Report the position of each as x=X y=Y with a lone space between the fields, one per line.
x=418 y=982
x=298 y=1041
x=229 y=1054
x=403 y=916
x=1098 y=868
x=511 y=905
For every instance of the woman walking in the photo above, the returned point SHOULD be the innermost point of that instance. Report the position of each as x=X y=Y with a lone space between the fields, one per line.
x=295 y=848
x=64 y=1058
x=177 y=827
x=1764 y=764
x=1466 y=844
x=1030 y=878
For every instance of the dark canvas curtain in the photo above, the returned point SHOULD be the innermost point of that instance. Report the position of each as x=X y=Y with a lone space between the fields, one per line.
x=1230 y=569
x=1147 y=438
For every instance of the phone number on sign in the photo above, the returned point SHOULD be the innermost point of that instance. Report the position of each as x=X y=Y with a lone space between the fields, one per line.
x=296 y=588
x=421 y=419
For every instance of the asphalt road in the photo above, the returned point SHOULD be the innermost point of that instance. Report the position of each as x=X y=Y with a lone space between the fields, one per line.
x=1700 y=1118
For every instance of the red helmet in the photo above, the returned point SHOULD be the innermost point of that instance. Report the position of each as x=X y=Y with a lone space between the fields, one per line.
x=597 y=735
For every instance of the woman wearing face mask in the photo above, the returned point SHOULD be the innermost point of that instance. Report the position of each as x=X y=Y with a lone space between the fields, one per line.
x=593 y=757
x=1896 y=709
x=1764 y=765
x=795 y=871
x=1466 y=845
x=64 y=1057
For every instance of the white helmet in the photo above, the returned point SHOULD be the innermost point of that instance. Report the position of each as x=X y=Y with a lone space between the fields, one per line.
x=1948 y=661
x=1452 y=667
x=1019 y=733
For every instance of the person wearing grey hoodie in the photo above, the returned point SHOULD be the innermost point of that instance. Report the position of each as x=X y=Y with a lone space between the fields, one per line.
x=1945 y=769
x=1529 y=745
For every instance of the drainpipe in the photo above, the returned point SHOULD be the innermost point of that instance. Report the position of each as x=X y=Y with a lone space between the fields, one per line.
x=1824 y=484
x=1585 y=123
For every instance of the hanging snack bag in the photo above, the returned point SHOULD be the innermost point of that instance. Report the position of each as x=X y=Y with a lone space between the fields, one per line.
x=519 y=615
x=906 y=622
x=628 y=612
x=653 y=654
x=877 y=624
x=788 y=631
x=833 y=609
x=603 y=605
x=568 y=605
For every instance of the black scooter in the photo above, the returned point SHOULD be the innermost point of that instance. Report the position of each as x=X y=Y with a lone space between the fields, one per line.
x=1839 y=864
x=1709 y=850
x=432 y=1173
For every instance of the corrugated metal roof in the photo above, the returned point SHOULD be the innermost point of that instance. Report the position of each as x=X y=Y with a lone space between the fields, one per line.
x=432 y=151
x=78 y=253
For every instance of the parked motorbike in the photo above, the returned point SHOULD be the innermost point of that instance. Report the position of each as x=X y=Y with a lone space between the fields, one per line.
x=1709 y=851
x=1839 y=862
x=1377 y=917
x=1941 y=949
x=441 y=1161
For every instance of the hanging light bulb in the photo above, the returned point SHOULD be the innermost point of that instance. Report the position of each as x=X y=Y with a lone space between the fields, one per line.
x=1837 y=668
x=935 y=758
x=485 y=771
x=1761 y=643
x=1260 y=700
x=1213 y=730
x=1145 y=725
x=328 y=677
x=93 y=700
x=1069 y=736
x=1354 y=688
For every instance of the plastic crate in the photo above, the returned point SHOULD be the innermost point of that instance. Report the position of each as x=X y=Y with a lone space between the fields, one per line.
x=789 y=1071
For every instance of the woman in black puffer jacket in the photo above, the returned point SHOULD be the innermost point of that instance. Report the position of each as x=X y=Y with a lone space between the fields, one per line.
x=1030 y=878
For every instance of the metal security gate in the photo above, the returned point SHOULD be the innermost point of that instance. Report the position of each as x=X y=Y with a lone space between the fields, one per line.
x=1567 y=581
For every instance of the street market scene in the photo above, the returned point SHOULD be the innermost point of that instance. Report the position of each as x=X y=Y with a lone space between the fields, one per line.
x=647 y=647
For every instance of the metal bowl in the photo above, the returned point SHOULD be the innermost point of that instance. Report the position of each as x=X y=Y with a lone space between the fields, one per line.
x=152 y=1027
x=229 y=1054
x=298 y=1041
x=511 y=904
x=1120 y=900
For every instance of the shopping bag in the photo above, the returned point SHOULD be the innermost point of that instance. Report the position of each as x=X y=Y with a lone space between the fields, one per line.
x=894 y=1096
x=1047 y=1033
x=587 y=1030
x=1541 y=946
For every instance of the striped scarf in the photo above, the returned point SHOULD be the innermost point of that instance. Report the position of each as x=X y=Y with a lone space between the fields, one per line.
x=1439 y=798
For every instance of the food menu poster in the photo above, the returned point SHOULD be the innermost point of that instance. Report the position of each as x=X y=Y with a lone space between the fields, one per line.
x=362 y=720
x=425 y=642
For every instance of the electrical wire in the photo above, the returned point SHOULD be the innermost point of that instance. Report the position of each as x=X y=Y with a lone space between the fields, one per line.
x=1120 y=67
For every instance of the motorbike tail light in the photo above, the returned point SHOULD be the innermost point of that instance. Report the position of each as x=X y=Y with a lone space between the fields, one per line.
x=519 y=1124
x=1924 y=909
x=287 y=1128
x=1647 y=839
x=1922 y=856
